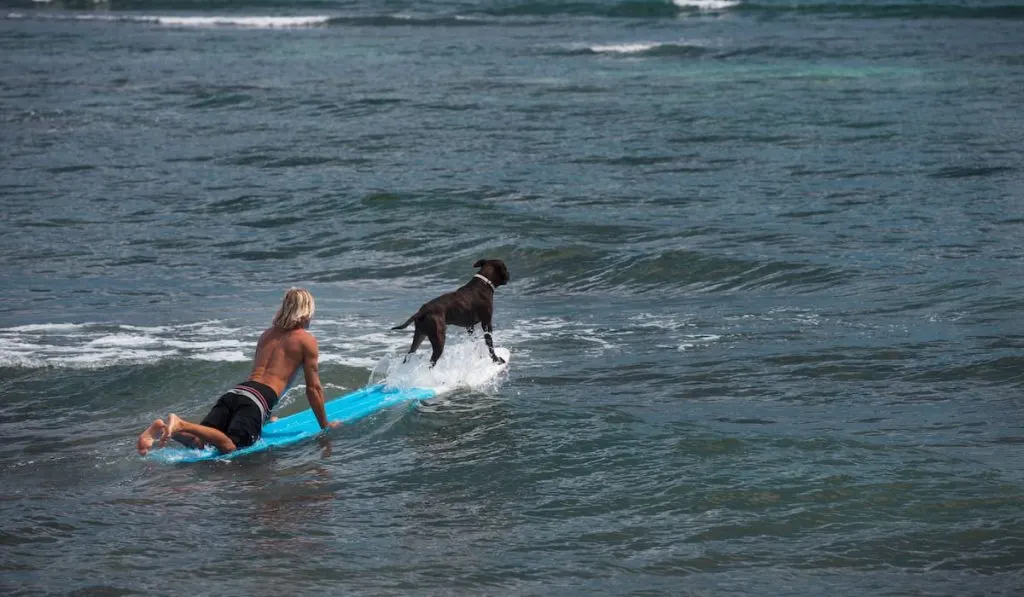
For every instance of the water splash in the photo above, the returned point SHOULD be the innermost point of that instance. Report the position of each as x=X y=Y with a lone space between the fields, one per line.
x=464 y=364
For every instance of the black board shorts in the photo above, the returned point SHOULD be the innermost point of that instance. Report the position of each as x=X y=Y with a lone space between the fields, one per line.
x=237 y=417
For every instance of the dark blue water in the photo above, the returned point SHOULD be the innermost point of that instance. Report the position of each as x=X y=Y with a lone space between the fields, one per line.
x=764 y=317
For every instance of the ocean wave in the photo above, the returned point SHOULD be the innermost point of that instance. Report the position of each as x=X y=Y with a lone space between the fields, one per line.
x=352 y=341
x=904 y=11
x=254 y=22
x=636 y=9
x=581 y=269
x=211 y=21
x=653 y=9
x=261 y=21
x=407 y=20
x=193 y=6
x=706 y=4
x=642 y=49
x=343 y=14
x=101 y=345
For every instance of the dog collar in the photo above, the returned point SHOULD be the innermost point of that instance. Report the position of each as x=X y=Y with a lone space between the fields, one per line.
x=489 y=283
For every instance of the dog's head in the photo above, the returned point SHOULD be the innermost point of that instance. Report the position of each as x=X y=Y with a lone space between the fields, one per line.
x=494 y=270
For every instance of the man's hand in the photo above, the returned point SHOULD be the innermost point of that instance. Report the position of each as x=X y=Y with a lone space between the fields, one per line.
x=332 y=425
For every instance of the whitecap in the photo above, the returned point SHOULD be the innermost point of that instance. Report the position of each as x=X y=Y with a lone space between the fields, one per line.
x=238 y=21
x=123 y=340
x=250 y=22
x=222 y=356
x=630 y=48
x=46 y=327
x=706 y=4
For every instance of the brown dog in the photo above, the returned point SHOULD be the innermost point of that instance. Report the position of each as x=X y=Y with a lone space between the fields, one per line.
x=471 y=304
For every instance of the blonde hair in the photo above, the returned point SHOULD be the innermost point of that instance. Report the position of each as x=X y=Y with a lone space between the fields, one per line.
x=296 y=308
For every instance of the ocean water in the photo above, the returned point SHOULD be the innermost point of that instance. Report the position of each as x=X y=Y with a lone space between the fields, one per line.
x=764 y=317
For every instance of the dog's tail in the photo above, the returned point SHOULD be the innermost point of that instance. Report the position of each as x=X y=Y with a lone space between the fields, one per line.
x=402 y=326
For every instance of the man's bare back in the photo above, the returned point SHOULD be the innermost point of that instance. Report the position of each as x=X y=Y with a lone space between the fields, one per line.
x=280 y=353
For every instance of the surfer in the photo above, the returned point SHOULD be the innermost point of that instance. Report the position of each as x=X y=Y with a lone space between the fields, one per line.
x=237 y=420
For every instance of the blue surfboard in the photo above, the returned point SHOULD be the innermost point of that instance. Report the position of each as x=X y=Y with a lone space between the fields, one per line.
x=303 y=425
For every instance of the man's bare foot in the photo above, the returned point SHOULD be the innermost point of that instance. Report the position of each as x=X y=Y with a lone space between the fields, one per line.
x=147 y=437
x=173 y=426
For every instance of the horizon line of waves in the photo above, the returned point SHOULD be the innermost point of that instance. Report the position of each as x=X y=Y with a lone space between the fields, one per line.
x=628 y=9
x=120 y=12
x=677 y=8
x=905 y=10
x=256 y=21
x=534 y=7
x=183 y=5
x=469 y=16
x=191 y=21
x=581 y=269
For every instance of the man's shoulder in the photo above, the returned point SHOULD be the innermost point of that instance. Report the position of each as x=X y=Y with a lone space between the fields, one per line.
x=302 y=336
x=295 y=335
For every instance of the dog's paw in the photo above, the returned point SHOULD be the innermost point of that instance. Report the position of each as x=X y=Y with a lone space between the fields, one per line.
x=499 y=360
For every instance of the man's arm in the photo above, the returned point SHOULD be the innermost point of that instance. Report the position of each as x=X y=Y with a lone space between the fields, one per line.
x=314 y=391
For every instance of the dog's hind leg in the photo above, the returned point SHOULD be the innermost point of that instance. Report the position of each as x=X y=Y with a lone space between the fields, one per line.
x=436 y=336
x=417 y=339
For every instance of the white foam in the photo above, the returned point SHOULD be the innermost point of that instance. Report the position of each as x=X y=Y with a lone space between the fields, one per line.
x=155 y=329
x=223 y=356
x=706 y=4
x=331 y=390
x=123 y=340
x=47 y=327
x=594 y=337
x=97 y=345
x=633 y=48
x=205 y=344
x=356 y=341
x=349 y=361
x=697 y=340
x=84 y=360
x=246 y=22
x=659 y=321
x=536 y=329
x=252 y=22
x=464 y=364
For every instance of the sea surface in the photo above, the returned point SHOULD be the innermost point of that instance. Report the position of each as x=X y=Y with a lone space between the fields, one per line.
x=764 y=316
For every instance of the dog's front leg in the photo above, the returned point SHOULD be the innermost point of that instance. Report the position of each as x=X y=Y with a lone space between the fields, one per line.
x=490 y=344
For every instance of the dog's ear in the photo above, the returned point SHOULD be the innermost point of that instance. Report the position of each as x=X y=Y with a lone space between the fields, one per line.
x=480 y=263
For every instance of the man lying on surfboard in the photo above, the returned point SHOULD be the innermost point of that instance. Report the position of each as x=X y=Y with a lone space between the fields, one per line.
x=237 y=420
